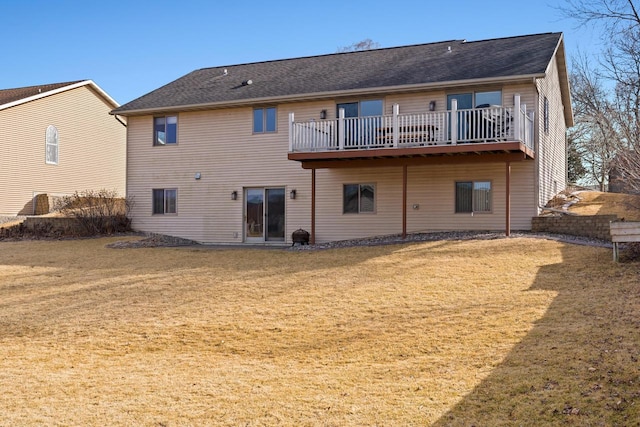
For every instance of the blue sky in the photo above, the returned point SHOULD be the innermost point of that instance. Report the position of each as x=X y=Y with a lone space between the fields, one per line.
x=131 y=48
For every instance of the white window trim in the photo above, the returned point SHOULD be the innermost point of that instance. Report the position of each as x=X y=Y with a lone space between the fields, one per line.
x=52 y=133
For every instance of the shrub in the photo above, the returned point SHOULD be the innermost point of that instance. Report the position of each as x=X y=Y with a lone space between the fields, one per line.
x=97 y=212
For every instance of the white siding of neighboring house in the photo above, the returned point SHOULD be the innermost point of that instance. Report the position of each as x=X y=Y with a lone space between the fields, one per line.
x=92 y=149
x=219 y=144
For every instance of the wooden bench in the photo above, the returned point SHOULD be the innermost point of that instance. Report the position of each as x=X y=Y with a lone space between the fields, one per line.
x=623 y=232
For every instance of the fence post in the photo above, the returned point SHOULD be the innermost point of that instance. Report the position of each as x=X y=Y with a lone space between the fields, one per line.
x=341 y=129
x=517 y=117
x=396 y=130
x=454 y=121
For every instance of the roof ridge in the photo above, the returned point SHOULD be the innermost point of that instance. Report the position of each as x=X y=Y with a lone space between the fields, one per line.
x=322 y=55
x=514 y=37
x=60 y=84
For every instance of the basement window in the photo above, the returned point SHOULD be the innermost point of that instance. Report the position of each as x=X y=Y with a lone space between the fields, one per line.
x=358 y=198
x=165 y=201
x=473 y=197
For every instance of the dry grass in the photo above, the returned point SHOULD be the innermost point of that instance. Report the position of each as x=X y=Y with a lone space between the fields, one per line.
x=626 y=206
x=493 y=332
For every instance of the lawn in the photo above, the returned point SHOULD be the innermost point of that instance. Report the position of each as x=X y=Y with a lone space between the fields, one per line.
x=516 y=331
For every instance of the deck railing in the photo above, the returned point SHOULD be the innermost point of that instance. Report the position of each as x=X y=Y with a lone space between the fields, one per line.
x=490 y=124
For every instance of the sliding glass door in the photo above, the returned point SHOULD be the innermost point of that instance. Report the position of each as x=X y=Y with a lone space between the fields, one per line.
x=264 y=214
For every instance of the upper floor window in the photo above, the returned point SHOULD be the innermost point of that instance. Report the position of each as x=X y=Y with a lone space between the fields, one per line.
x=264 y=120
x=475 y=99
x=165 y=130
x=51 y=149
x=473 y=196
x=165 y=201
x=358 y=198
x=367 y=108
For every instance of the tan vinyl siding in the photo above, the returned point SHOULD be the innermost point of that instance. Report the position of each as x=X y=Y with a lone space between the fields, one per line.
x=220 y=145
x=91 y=149
x=333 y=224
x=551 y=149
x=432 y=188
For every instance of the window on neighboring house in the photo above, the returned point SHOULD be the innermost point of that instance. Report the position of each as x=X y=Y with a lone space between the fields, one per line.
x=473 y=196
x=264 y=120
x=358 y=198
x=546 y=114
x=51 y=149
x=165 y=130
x=164 y=201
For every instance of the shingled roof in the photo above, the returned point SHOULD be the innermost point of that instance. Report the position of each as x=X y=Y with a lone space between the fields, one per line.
x=389 y=69
x=16 y=96
x=11 y=95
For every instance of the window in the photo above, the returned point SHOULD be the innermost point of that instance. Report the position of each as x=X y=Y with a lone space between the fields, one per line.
x=469 y=100
x=358 y=198
x=364 y=130
x=546 y=115
x=165 y=130
x=51 y=149
x=264 y=120
x=164 y=201
x=488 y=98
x=360 y=109
x=473 y=196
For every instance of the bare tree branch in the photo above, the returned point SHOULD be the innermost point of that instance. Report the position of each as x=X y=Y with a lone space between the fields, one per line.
x=607 y=99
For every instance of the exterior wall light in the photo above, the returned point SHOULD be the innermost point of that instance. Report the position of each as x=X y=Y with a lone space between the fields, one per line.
x=432 y=106
x=323 y=114
x=292 y=194
x=234 y=195
x=197 y=175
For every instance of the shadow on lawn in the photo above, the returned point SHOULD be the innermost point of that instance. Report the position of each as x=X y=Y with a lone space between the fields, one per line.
x=579 y=363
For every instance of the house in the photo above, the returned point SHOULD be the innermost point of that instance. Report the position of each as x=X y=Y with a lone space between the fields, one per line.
x=454 y=135
x=58 y=139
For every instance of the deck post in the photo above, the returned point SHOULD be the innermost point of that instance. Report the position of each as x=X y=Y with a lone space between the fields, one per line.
x=312 y=238
x=404 y=201
x=291 y=118
x=507 y=231
x=454 y=121
x=341 y=129
x=396 y=112
x=517 y=117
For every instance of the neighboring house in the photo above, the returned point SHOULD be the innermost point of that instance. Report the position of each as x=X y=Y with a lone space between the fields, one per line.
x=453 y=135
x=58 y=139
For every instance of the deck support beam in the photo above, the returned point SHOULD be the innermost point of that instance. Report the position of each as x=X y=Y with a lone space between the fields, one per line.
x=404 y=201
x=312 y=239
x=507 y=230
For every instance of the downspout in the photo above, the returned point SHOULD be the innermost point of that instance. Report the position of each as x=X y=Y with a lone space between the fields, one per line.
x=118 y=119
